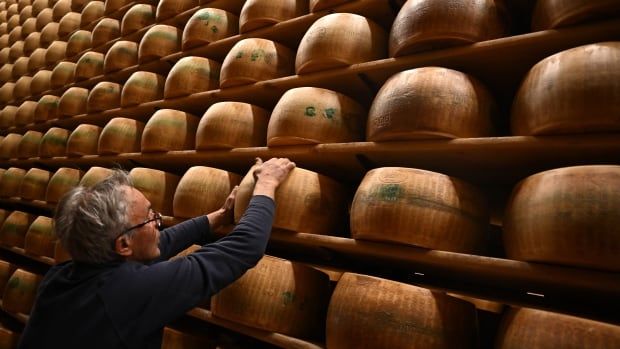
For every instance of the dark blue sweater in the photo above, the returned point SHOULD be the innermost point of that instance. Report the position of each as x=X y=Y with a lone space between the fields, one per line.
x=127 y=304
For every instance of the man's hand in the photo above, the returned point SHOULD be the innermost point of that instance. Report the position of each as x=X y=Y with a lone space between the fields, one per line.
x=223 y=216
x=270 y=174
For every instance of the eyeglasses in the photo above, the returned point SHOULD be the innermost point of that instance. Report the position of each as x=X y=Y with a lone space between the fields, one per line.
x=156 y=218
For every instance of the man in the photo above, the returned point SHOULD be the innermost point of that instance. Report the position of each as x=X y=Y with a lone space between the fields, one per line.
x=120 y=289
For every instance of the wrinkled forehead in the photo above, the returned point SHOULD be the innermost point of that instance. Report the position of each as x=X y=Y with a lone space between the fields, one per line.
x=138 y=203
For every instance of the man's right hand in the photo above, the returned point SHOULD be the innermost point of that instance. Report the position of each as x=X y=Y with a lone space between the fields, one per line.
x=270 y=174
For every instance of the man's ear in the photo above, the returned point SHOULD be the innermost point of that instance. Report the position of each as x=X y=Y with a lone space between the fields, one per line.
x=122 y=245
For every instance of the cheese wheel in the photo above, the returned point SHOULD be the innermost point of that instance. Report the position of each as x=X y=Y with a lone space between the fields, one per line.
x=31 y=43
x=169 y=130
x=137 y=17
x=38 y=6
x=79 y=41
x=34 y=184
x=120 y=135
x=157 y=186
x=63 y=74
x=78 y=5
x=28 y=146
x=12 y=8
x=312 y=115
x=232 y=125
x=4 y=53
x=16 y=50
x=159 y=41
x=9 y=146
x=29 y=26
x=11 y=178
x=22 y=88
x=25 y=13
x=89 y=65
x=54 y=142
x=83 y=140
x=173 y=339
x=47 y=108
x=12 y=23
x=574 y=91
x=192 y=75
x=549 y=14
x=106 y=30
x=104 y=96
x=4 y=27
x=49 y=34
x=277 y=295
x=36 y=61
x=6 y=73
x=370 y=312
x=430 y=102
x=69 y=23
x=255 y=59
x=421 y=208
x=6 y=270
x=23 y=4
x=170 y=8
x=60 y=9
x=202 y=190
x=40 y=238
x=63 y=180
x=20 y=69
x=56 y=52
x=95 y=175
x=4 y=40
x=112 y=6
x=308 y=202
x=44 y=18
x=426 y=24
x=13 y=230
x=20 y=292
x=25 y=113
x=41 y=82
x=142 y=87
x=6 y=92
x=92 y=11
x=122 y=54
x=339 y=40
x=566 y=216
x=73 y=102
x=538 y=329
x=257 y=14
x=209 y=25
x=7 y=116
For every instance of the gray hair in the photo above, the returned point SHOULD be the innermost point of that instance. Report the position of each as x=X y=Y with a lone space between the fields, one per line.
x=88 y=219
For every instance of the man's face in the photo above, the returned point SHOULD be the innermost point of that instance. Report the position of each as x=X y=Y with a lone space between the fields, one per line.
x=144 y=240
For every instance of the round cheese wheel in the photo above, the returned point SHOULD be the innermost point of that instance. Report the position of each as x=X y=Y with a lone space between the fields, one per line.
x=11 y=178
x=16 y=50
x=54 y=143
x=6 y=270
x=36 y=60
x=312 y=115
x=232 y=125
x=44 y=18
x=4 y=28
x=192 y=75
x=157 y=186
x=122 y=54
x=421 y=208
x=23 y=4
x=25 y=13
x=47 y=108
x=92 y=11
x=69 y=23
x=308 y=202
x=137 y=17
x=31 y=43
x=20 y=292
x=209 y=25
x=6 y=92
x=159 y=41
x=60 y=9
x=41 y=82
x=40 y=238
x=370 y=312
x=28 y=27
x=104 y=96
x=120 y=135
x=22 y=88
x=12 y=23
x=574 y=91
x=78 y=5
x=549 y=14
x=9 y=146
x=202 y=190
x=170 y=8
x=83 y=140
x=63 y=74
x=7 y=116
x=13 y=230
x=28 y=146
x=277 y=295
x=255 y=59
x=4 y=52
x=566 y=216
x=34 y=184
x=12 y=8
x=426 y=24
x=73 y=102
x=339 y=40
x=25 y=113
x=430 y=102
x=169 y=130
x=142 y=87
x=538 y=329
x=6 y=73
x=38 y=6
x=112 y=6
x=105 y=31
x=63 y=180
x=95 y=175
x=79 y=41
x=257 y=14
x=56 y=52
x=89 y=65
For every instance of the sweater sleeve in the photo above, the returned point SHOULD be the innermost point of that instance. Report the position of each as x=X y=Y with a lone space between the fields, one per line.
x=175 y=239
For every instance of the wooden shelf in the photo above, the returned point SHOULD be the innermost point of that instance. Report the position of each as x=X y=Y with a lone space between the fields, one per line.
x=22 y=318
x=20 y=251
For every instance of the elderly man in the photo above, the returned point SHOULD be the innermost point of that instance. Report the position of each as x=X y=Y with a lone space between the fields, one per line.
x=120 y=289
